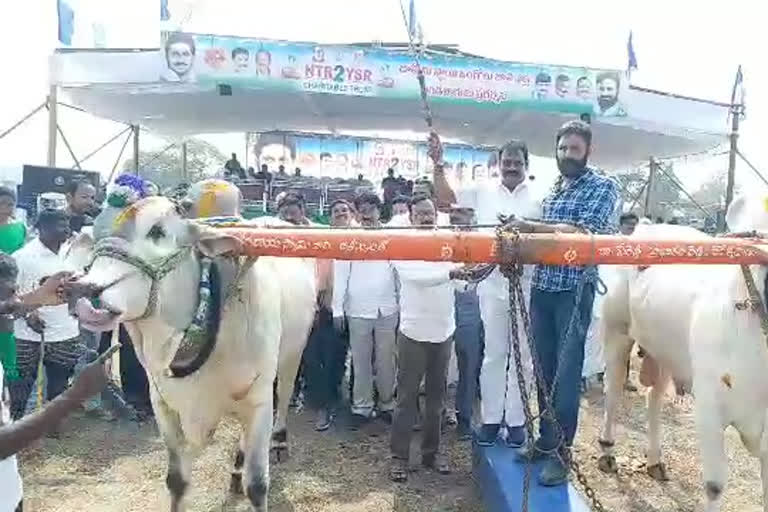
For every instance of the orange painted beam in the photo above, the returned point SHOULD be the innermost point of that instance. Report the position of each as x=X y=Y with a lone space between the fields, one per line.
x=478 y=247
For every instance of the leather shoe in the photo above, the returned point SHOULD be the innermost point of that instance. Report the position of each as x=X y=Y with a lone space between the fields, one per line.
x=553 y=473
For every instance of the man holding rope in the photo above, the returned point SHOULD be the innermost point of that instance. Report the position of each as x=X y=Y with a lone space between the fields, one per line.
x=500 y=394
x=582 y=201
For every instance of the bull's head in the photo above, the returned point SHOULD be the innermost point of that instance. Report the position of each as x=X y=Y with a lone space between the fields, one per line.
x=147 y=269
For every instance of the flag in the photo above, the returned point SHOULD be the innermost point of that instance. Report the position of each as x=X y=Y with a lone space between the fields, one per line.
x=66 y=21
x=631 y=57
x=414 y=27
x=412 y=18
x=737 y=94
x=165 y=14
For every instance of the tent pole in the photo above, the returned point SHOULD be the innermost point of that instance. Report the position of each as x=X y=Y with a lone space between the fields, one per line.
x=69 y=148
x=734 y=150
x=649 y=188
x=246 y=151
x=136 y=149
x=23 y=119
x=110 y=141
x=52 y=125
x=119 y=156
x=184 y=161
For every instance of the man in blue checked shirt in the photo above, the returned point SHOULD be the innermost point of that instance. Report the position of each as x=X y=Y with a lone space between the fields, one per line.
x=582 y=201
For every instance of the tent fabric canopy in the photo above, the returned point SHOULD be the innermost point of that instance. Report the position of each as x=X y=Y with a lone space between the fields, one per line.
x=123 y=86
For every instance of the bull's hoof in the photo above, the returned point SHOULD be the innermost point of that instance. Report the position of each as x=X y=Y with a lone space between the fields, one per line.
x=658 y=472
x=257 y=494
x=607 y=464
x=279 y=454
x=236 y=484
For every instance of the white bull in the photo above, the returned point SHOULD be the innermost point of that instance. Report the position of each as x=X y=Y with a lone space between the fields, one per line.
x=686 y=317
x=272 y=307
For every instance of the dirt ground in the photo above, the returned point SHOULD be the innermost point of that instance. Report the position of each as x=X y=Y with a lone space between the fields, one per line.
x=111 y=467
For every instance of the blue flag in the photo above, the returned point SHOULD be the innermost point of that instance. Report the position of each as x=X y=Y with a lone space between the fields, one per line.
x=66 y=22
x=631 y=57
x=165 y=14
x=412 y=18
x=737 y=94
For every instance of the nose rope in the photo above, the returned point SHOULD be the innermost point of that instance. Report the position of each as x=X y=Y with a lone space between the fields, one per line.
x=154 y=271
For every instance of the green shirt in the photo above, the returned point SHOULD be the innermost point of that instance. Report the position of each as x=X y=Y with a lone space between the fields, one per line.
x=12 y=237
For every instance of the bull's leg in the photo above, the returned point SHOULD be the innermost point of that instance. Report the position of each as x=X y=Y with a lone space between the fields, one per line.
x=763 y=453
x=179 y=463
x=286 y=377
x=709 y=429
x=655 y=467
x=256 y=470
x=764 y=477
x=616 y=346
x=236 y=479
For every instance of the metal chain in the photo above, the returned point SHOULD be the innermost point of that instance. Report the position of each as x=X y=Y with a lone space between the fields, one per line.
x=512 y=269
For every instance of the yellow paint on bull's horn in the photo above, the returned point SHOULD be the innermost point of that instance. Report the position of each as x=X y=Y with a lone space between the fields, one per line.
x=206 y=205
x=128 y=214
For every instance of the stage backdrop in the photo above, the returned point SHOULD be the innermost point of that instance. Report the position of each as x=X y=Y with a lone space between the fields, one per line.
x=347 y=157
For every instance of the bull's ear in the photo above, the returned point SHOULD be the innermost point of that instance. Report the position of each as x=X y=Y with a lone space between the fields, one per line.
x=213 y=242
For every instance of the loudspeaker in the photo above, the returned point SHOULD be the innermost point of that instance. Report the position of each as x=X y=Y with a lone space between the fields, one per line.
x=225 y=90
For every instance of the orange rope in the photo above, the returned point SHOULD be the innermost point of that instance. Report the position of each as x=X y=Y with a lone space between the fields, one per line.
x=475 y=247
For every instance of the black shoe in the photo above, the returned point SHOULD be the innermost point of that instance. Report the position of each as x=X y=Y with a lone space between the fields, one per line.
x=515 y=437
x=386 y=417
x=553 y=473
x=488 y=434
x=323 y=420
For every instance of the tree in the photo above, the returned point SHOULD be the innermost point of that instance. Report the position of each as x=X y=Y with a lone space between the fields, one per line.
x=165 y=169
x=664 y=193
x=711 y=193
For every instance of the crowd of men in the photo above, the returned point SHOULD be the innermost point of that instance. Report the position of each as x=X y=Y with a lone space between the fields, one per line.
x=399 y=321
x=403 y=319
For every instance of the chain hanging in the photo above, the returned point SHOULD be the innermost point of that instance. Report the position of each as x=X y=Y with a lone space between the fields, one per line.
x=512 y=269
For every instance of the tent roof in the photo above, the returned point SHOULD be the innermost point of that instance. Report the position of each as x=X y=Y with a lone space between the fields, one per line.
x=104 y=83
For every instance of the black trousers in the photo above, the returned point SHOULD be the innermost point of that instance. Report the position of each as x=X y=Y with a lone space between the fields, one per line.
x=134 y=379
x=324 y=361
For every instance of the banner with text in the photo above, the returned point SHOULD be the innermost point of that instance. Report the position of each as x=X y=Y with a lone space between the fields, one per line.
x=357 y=71
x=347 y=157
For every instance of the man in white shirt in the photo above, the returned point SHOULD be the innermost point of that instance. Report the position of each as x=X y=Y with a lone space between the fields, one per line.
x=52 y=324
x=422 y=186
x=364 y=293
x=424 y=349
x=499 y=389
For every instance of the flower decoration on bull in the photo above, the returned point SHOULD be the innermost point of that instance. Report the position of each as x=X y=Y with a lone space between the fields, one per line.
x=126 y=190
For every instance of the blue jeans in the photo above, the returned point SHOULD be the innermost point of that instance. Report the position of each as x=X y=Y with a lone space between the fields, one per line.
x=550 y=314
x=469 y=351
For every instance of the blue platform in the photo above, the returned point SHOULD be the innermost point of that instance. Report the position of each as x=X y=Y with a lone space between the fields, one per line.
x=500 y=479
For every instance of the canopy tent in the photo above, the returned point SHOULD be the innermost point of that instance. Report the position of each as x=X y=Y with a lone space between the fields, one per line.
x=233 y=84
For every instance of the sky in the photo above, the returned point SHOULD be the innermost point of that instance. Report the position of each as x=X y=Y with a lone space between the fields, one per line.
x=683 y=46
